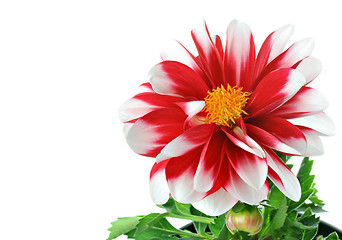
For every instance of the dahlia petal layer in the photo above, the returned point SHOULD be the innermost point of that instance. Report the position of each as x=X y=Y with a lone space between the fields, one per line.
x=274 y=90
x=282 y=176
x=159 y=189
x=155 y=130
x=239 y=55
x=172 y=78
x=180 y=172
x=216 y=203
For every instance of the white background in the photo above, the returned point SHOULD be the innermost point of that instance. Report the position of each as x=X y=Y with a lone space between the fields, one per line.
x=65 y=68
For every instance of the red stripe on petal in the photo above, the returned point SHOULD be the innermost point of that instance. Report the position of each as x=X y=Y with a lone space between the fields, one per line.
x=143 y=103
x=295 y=53
x=307 y=101
x=271 y=48
x=209 y=164
x=174 y=78
x=180 y=172
x=159 y=189
x=152 y=132
x=274 y=90
x=277 y=132
x=190 y=139
x=238 y=188
x=251 y=168
x=216 y=203
x=239 y=55
x=209 y=54
x=282 y=176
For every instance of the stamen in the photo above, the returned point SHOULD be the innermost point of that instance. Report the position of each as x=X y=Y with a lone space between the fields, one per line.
x=223 y=106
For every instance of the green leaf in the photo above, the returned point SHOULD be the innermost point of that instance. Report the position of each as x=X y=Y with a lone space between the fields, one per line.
x=332 y=236
x=219 y=222
x=122 y=226
x=175 y=207
x=224 y=234
x=200 y=227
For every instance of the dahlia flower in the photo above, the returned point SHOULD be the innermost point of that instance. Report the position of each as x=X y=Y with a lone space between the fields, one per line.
x=214 y=121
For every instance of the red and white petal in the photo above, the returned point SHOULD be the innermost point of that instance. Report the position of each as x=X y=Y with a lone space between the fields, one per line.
x=249 y=167
x=126 y=128
x=295 y=53
x=218 y=44
x=177 y=79
x=191 y=108
x=282 y=176
x=188 y=140
x=153 y=131
x=269 y=140
x=180 y=173
x=240 y=139
x=271 y=48
x=177 y=52
x=307 y=101
x=310 y=67
x=209 y=163
x=314 y=143
x=143 y=103
x=209 y=55
x=319 y=122
x=278 y=134
x=238 y=188
x=239 y=55
x=216 y=203
x=159 y=190
x=274 y=90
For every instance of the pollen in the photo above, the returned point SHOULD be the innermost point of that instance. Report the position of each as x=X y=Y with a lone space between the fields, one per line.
x=224 y=105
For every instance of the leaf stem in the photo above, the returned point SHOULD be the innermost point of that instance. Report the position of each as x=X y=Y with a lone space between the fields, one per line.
x=185 y=233
x=191 y=217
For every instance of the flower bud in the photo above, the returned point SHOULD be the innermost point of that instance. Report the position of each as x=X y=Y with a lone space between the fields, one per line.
x=244 y=218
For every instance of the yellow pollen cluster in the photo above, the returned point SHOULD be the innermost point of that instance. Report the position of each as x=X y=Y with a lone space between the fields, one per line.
x=224 y=105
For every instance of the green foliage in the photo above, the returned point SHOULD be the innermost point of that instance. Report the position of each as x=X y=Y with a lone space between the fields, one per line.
x=122 y=226
x=283 y=218
x=289 y=220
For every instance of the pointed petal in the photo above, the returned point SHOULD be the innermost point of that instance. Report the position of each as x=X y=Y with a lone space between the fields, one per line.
x=159 y=189
x=187 y=141
x=314 y=143
x=143 y=103
x=209 y=163
x=216 y=203
x=238 y=188
x=278 y=134
x=180 y=172
x=295 y=53
x=237 y=137
x=271 y=48
x=310 y=67
x=177 y=79
x=249 y=167
x=191 y=108
x=319 y=122
x=209 y=54
x=282 y=176
x=307 y=101
x=156 y=129
x=239 y=55
x=274 y=90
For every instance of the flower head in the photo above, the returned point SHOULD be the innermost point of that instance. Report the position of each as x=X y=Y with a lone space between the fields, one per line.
x=214 y=120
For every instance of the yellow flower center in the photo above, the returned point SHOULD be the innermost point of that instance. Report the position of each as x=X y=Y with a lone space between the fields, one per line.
x=224 y=105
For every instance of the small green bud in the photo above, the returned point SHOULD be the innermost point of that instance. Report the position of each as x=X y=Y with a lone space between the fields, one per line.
x=245 y=218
